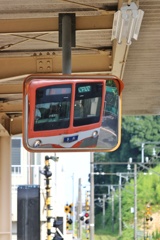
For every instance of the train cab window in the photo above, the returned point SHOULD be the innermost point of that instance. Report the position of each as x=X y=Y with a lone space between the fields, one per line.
x=88 y=101
x=52 y=108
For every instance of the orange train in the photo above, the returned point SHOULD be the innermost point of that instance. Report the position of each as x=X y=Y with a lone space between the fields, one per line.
x=64 y=113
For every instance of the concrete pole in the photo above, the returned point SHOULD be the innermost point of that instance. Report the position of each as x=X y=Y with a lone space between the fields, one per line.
x=73 y=202
x=120 y=205
x=30 y=167
x=113 y=211
x=5 y=188
x=104 y=210
x=142 y=152
x=135 y=201
x=92 y=196
x=55 y=159
x=79 y=231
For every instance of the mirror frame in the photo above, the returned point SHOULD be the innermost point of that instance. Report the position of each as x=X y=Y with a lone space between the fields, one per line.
x=120 y=85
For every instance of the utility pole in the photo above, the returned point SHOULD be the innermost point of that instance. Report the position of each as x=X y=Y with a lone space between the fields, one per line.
x=104 y=211
x=120 y=199
x=120 y=205
x=92 y=196
x=113 y=209
x=142 y=152
x=79 y=232
x=135 y=201
x=73 y=225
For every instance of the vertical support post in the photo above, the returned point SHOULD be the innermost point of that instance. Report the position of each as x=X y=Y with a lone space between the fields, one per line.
x=55 y=184
x=66 y=44
x=104 y=210
x=120 y=205
x=48 y=174
x=48 y=210
x=142 y=152
x=92 y=196
x=113 y=210
x=28 y=214
x=79 y=232
x=5 y=188
x=73 y=224
x=135 y=201
x=30 y=169
x=66 y=39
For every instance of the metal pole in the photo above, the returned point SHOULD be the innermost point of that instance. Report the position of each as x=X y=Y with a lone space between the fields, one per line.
x=104 y=212
x=73 y=225
x=92 y=196
x=55 y=184
x=142 y=152
x=120 y=205
x=79 y=232
x=135 y=201
x=66 y=44
x=48 y=197
x=112 y=211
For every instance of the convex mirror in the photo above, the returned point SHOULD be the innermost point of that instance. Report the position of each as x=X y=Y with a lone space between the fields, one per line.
x=71 y=113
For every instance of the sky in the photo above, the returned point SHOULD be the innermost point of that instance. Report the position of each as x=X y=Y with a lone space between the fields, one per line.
x=75 y=165
x=65 y=177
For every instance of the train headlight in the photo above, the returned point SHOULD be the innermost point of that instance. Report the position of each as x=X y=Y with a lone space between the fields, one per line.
x=95 y=134
x=37 y=143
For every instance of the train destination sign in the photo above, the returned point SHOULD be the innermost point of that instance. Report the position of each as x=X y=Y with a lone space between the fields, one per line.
x=84 y=89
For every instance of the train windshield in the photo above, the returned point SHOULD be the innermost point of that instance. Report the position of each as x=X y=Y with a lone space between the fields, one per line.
x=87 y=106
x=52 y=107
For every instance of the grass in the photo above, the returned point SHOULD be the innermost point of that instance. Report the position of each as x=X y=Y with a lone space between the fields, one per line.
x=101 y=237
x=104 y=237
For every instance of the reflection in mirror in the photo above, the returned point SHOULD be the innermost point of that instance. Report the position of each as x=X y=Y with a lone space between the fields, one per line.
x=109 y=130
x=71 y=113
x=52 y=109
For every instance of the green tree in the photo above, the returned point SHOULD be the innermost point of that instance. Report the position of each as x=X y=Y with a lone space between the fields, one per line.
x=135 y=130
x=147 y=193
